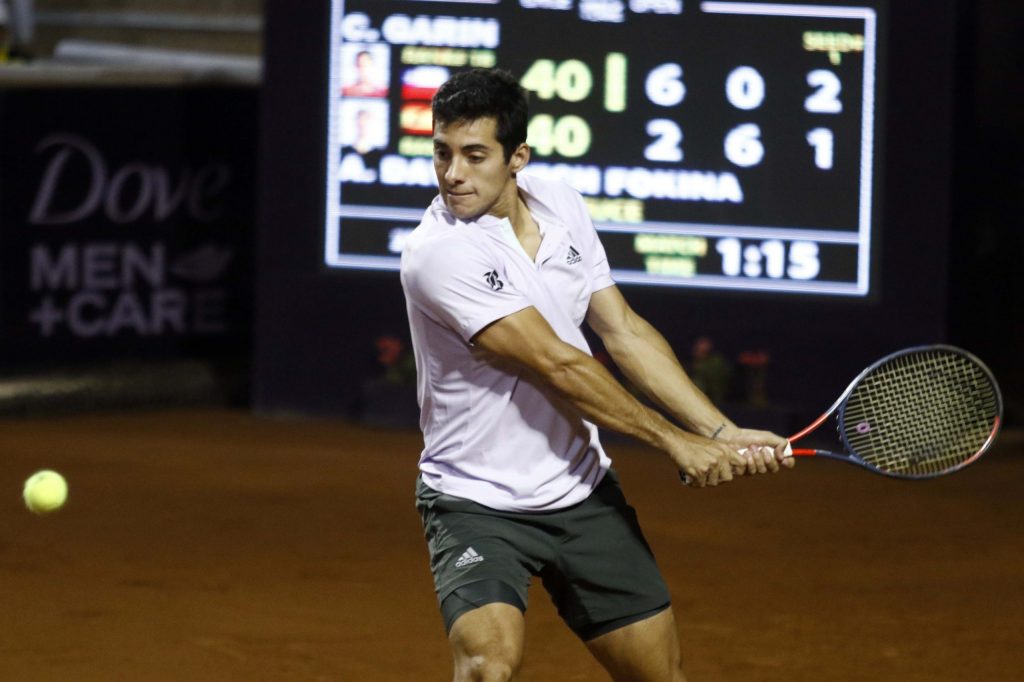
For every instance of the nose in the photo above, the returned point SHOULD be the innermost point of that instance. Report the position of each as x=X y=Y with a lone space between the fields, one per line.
x=454 y=174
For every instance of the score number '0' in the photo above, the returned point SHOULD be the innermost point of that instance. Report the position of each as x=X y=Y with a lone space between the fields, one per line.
x=572 y=81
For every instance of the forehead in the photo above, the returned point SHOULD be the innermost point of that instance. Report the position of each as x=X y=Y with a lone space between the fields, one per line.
x=479 y=131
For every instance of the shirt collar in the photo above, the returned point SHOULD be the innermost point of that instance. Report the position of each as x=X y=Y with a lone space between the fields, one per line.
x=551 y=228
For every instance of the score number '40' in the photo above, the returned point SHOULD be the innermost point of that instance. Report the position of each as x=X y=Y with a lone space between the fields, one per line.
x=571 y=81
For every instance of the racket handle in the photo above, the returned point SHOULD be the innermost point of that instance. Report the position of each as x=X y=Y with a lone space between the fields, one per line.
x=788 y=452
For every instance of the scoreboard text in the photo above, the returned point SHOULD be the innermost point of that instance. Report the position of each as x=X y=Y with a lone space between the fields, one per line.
x=717 y=144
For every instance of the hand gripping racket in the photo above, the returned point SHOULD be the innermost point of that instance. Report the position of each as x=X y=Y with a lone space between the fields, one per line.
x=918 y=413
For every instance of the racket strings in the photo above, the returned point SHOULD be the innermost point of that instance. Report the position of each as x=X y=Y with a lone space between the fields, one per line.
x=921 y=414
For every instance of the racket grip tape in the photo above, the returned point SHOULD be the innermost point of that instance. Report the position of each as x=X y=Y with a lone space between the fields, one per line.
x=788 y=452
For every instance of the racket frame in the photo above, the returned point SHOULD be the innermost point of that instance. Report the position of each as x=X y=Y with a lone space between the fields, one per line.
x=840 y=404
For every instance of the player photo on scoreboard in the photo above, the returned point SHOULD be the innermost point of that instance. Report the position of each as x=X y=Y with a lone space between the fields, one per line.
x=366 y=69
x=364 y=124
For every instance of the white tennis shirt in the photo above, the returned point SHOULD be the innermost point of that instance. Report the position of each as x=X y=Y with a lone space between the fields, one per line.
x=492 y=432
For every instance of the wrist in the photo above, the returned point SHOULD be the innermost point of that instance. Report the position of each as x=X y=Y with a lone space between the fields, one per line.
x=721 y=429
x=660 y=432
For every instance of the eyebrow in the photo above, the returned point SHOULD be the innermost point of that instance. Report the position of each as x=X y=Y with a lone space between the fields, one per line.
x=469 y=148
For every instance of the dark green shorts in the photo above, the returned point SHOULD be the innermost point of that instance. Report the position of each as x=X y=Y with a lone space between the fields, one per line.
x=592 y=558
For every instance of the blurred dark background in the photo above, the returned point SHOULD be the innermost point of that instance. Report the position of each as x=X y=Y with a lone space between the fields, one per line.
x=177 y=253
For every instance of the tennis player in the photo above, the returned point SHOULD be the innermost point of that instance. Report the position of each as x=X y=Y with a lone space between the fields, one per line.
x=498 y=277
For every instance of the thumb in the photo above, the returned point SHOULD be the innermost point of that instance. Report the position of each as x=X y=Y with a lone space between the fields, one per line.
x=737 y=459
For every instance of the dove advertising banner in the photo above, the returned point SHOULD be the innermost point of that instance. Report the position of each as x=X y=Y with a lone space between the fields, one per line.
x=126 y=222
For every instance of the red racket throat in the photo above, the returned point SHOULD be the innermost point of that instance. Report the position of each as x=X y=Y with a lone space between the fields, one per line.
x=807 y=452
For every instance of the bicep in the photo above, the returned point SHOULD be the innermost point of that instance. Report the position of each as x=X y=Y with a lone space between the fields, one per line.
x=525 y=338
x=609 y=315
x=459 y=285
x=626 y=336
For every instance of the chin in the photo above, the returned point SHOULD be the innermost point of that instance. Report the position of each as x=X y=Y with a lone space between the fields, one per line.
x=462 y=212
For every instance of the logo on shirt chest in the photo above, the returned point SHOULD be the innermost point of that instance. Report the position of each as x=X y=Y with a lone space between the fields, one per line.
x=493 y=281
x=573 y=257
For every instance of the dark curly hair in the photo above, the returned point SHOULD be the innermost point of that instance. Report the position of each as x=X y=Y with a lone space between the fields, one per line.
x=482 y=93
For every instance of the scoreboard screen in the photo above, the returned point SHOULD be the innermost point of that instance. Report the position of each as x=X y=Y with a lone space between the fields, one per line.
x=726 y=145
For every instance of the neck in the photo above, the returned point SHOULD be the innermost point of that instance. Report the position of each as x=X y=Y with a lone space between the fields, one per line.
x=507 y=205
x=513 y=207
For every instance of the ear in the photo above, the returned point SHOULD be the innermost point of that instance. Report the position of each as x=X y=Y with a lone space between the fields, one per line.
x=520 y=157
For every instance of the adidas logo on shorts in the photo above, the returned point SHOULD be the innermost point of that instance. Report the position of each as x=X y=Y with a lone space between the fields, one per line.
x=468 y=557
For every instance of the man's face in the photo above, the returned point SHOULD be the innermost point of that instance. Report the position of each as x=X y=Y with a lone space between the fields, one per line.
x=364 y=121
x=472 y=174
x=364 y=64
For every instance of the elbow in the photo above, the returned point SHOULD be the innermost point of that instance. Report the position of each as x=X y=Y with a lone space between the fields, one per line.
x=620 y=347
x=558 y=365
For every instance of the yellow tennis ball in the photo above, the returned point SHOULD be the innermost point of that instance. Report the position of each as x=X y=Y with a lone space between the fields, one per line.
x=45 y=492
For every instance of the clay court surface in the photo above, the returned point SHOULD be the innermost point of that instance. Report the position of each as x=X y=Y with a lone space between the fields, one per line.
x=215 y=545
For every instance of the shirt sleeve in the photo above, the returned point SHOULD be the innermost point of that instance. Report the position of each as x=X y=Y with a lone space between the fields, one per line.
x=600 y=270
x=460 y=285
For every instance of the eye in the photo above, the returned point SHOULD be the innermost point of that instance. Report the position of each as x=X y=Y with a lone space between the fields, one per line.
x=476 y=158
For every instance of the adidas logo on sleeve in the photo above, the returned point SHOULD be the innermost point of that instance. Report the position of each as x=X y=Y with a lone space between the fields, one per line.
x=468 y=557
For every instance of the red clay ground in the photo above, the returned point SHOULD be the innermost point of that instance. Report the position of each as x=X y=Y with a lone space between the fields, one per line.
x=214 y=545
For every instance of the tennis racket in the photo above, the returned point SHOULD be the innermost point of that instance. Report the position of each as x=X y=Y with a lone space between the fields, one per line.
x=918 y=413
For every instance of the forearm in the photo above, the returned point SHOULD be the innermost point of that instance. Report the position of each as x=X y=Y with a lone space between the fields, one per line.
x=592 y=390
x=526 y=339
x=646 y=359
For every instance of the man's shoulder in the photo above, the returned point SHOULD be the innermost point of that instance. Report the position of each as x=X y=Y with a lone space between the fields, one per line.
x=437 y=236
x=547 y=189
x=556 y=198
